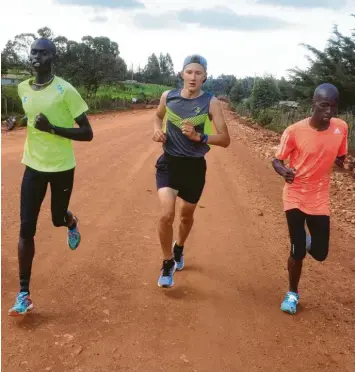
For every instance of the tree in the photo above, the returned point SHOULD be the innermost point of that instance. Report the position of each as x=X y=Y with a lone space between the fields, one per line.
x=286 y=89
x=16 y=52
x=336 y=65
x=89 y=63
x=98 y=62
x=152 y=72
x=170 y=65
x=237 y=92
x=167 y=74
x=227 y=81
x=248 y=84
x=222 y=85
x=46 y=33
x=265 y=93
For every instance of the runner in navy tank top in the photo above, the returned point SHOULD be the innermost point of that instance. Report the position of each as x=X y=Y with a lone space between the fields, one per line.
x=183 y=125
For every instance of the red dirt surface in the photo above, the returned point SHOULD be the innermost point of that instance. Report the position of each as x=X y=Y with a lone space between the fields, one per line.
x=99 y=308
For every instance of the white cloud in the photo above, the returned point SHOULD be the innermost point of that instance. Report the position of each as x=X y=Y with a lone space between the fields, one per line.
x=240 y=52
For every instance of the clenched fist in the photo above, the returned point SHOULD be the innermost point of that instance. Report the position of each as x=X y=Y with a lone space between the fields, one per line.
x=189 y=131
x=159 y=136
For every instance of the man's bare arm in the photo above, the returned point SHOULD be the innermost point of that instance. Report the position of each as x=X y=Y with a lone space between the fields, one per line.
x=159 y=135
x=222 y=137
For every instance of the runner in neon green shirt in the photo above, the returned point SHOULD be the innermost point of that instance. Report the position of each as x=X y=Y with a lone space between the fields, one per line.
x=52 y=106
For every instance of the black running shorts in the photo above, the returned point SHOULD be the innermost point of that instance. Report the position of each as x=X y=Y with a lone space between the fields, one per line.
x=33 y=190
x=319 y=228
x=185 y=174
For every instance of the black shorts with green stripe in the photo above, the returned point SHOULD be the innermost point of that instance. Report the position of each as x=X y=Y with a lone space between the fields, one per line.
x=187 y=175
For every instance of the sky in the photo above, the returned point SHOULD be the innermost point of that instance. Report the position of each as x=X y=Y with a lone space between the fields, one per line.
x=239 y=37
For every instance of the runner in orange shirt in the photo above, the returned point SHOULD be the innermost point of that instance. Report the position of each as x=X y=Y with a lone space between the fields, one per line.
x=312 y=145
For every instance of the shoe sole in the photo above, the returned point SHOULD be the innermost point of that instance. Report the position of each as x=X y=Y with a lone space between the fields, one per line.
x=287 y=310
x=16 y=313
x=179 y=269
x=172 y=283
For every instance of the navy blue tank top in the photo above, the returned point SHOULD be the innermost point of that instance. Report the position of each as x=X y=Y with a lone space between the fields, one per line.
x=196 y=110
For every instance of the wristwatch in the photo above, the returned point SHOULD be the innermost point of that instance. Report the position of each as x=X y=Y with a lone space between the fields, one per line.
x=204 y=138
x=52 y=129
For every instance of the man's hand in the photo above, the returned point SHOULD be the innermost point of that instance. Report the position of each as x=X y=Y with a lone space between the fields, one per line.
x=42 y=123
x=189 y=131
x=159 y=136
x=339 y=161
x=287 y=173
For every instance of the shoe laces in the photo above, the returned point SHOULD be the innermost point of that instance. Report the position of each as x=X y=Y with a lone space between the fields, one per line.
x=291 y=297
x=21 y=297
x=167 y=266
x=73 y=234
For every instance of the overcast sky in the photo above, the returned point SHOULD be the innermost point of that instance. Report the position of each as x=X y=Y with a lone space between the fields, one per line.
x=246 y=38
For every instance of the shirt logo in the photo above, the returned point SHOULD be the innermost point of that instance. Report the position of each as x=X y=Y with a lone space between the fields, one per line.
x=198 y=110
x=24 y=99
x=60 y=89
x=337 y=131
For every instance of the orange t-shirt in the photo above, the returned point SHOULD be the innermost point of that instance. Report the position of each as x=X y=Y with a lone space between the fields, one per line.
x=312 y=153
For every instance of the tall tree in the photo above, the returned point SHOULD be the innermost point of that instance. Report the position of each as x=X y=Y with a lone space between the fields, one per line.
x=335 y=64
x=286 y=89
x=265 y=93
x=237 y=92
x=89 y=63
x=164 y=69
x=16 y=52
x=152 y=70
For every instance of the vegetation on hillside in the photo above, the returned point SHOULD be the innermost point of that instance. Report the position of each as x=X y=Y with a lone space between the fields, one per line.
x=94 y=64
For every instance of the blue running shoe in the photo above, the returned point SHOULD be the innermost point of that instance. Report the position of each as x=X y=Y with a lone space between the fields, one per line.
x=74 y=236
x=290 y=303
x=166 y=279
x=179 y=257
x=22 y=305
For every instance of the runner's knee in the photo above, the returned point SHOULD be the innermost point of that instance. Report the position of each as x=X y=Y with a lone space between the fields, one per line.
x=298 y=251
x=319 y=255
x=299 y=254
x=27 y=229
x=187 y=218
x=167 y=218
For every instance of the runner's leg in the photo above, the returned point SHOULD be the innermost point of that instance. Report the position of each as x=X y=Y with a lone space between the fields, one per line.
x=295 y=220
x=319 y=228
x=186 y=223
x=33 y=191
x=167 y=198
x=61 y=190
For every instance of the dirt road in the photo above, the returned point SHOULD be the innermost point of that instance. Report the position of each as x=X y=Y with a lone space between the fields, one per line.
x=100 y=309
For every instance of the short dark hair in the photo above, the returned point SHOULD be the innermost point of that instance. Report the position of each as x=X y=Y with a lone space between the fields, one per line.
x=326 y=90
x=51 y=46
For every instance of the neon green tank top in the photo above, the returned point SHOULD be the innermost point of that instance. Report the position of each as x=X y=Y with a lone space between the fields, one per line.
x=61 y=103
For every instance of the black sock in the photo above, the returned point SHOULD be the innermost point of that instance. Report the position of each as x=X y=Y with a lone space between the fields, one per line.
x=178 y=252
x=169 y=262
x=25 y=282
x=73 y=226
x=179 y=247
